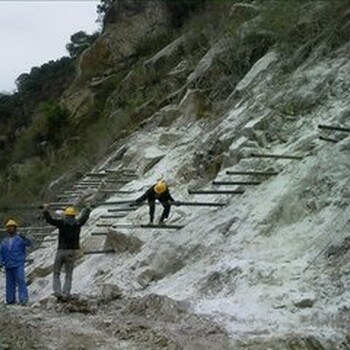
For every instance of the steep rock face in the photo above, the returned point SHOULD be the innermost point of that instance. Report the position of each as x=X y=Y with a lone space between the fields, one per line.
x=258 y=267
x=128 y=24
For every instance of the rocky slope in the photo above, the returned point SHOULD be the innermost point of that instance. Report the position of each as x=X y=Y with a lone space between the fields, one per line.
x=269 y=270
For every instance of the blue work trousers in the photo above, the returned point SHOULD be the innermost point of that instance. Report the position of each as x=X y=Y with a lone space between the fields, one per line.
x=15 y=278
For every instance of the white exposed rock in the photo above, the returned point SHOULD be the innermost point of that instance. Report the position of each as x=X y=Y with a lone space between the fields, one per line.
x=167 y=115
x=122 y=243
x=207 y=61
x=145 y=277
x=305 y=301
x=110 y=292
x=242 y=264
x=169 y=138
x=191 y=105
x=258 y=68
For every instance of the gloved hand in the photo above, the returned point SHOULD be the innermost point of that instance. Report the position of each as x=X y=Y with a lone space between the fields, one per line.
x=22 y=236
x=44 y=207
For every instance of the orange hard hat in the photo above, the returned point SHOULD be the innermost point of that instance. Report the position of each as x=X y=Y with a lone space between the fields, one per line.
x=160 y=187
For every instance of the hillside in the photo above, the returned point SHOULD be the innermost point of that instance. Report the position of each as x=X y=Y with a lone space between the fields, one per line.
x=243 y=92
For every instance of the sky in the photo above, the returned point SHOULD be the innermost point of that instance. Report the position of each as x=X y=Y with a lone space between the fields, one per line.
x=34 y=32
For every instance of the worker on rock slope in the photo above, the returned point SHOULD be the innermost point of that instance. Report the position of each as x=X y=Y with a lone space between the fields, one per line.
x=68 y=245
x=160 y=192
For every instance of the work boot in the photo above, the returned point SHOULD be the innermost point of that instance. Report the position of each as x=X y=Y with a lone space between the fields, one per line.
x=58 y=296
x=66 y=297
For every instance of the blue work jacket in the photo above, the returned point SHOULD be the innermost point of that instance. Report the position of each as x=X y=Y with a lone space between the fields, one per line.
x=13 y=255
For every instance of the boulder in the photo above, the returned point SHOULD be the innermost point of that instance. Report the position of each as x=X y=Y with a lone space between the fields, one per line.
x=305 y=300
x=258 y=68
x=122 y=243
x=191 y=106
x=169 y=138
x=110 y=292
x=161 y=263
x=146 y=277
x=208 y=60
x=167 y=115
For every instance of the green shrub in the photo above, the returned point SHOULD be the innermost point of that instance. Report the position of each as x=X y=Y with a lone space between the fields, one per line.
x=296 y=23
x=181 y=9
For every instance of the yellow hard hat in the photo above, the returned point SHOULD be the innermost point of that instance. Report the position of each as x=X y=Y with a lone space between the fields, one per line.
x=70 y=211
x=160 y=187
x=11 y=223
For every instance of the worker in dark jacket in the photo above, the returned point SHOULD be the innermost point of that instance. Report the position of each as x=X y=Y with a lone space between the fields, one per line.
x=159 y=191
x=12 y=257
x=68 y=245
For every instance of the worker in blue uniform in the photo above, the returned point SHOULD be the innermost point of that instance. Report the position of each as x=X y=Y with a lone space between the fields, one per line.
x=12 y=258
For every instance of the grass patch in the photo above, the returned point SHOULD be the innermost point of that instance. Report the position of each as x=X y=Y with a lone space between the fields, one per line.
x=305 y=23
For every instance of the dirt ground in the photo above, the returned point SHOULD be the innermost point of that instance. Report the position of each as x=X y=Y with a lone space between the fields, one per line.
x=153 y=322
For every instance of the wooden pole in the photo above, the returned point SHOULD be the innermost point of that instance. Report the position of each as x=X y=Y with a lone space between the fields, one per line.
x=103 y=225
x=111 y=216
x=253 y=173
x=39 y=234
x=45 y=240
x=106 y=251
x=171 y=227
x=90 y=181
x=114 y=210
x=128 y=201
x=96 y=174
x=120 y=171
x=243 y=183
x=117 y=181
x=165 y=227
x=117 y=191
x=215 y=192
x=39 y=228
x=328 y=139
x=197 y=204
x=67 y=196
x=335 y=128
x=279 y=156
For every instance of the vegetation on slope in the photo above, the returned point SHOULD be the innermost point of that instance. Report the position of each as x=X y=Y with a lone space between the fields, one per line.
x=40 y=140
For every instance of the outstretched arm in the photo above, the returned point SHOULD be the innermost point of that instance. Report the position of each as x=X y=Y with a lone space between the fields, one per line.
x=84 y=216
x=49 y=219
x=143 y=197
x=168 y=196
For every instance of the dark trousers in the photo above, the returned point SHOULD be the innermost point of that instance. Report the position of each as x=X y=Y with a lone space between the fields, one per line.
x=152 y=208
x=15 y=278
x=66 y=258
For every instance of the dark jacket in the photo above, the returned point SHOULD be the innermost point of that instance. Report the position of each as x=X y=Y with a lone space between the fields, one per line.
x=151 y=196
x=68 y=229
x=14 y=254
